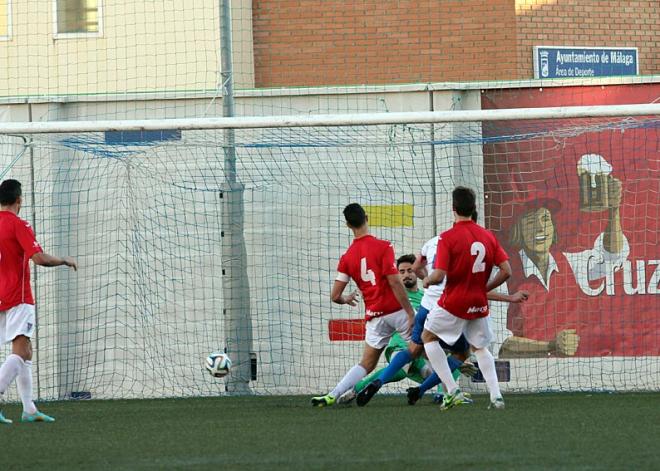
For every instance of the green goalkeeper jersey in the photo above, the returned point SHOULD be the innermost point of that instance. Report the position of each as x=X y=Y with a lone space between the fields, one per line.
x=415 y=298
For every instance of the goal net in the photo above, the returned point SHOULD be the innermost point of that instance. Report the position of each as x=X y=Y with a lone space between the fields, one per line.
x=180 y=257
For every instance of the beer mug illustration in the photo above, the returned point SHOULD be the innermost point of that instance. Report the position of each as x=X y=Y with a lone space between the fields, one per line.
x=594 y=174
x=545 y=67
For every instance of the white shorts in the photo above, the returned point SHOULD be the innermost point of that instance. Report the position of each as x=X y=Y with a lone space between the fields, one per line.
x=449 y=328
x=380 y=329
x=19 y=320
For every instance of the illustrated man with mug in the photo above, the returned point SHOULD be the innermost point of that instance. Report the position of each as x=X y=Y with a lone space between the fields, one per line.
x=567 y=301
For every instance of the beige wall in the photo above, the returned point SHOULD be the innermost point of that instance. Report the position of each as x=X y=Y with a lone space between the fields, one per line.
x=143 y=46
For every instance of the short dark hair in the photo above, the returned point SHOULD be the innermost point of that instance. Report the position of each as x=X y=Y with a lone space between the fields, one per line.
x=475 y=216
x=464 y=201
x=408 y=258
x=10 y=191
x=355 y=215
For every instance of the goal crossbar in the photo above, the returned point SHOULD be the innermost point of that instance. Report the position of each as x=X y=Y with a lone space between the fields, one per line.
x=427 y=117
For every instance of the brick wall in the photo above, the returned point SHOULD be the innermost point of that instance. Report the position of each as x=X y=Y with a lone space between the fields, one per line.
x=589 y=23
x=331 y=42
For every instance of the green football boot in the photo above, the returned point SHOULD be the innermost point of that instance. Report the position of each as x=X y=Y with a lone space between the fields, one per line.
x=456 y=399
x=323 y=401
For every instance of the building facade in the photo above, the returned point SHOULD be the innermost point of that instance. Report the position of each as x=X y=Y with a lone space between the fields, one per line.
x=113 y=47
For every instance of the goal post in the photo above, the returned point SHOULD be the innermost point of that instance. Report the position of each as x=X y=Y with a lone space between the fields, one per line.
x=168 y=242
x=357 y=119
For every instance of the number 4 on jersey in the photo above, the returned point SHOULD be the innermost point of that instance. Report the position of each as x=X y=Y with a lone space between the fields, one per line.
x=365 y=273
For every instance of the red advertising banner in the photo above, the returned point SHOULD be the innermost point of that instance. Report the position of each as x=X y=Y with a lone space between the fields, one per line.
x=576 y=205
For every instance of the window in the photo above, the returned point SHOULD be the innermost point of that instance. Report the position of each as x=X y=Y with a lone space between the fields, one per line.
x=5 y=19
x=77 y=17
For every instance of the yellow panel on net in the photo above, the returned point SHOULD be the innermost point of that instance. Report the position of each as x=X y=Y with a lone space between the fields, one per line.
x=390 y=215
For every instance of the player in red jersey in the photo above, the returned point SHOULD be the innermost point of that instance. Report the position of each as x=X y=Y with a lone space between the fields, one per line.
x=17 y=320
x=370 y=263
x=466 y=256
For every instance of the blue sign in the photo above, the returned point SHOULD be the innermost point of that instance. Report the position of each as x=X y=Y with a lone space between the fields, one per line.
x=581 y=62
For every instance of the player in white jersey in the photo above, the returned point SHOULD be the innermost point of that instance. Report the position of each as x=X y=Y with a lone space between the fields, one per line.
x=423 y=266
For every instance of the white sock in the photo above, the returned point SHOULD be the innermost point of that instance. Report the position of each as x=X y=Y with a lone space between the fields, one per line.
x=24 y=384
x=438 y=359
x=9 y=370
x=349 y=380
x=487 y=367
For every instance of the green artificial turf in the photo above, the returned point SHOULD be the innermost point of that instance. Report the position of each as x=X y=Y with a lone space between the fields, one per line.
x=536 y=432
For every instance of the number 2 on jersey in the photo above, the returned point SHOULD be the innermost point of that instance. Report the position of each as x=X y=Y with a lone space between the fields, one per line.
x=479 y=250
x=365 y=273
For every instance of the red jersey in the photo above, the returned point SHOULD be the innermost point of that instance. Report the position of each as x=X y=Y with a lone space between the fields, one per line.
x=467 y=252
x=17 y=246
x=368 y=261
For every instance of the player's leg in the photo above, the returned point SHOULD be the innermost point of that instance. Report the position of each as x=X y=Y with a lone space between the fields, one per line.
x=441 y=324
x=416 y=393
x=378 y=333
x=20 y=327
x=369 y=360
x=459 y=352
x=395 y=322
x=368 y=379
x=399 y=375
x=479 y=335
x=393 y=372
x=8 y=371
x=352 y=393
x=22 y=346
x=13 y=363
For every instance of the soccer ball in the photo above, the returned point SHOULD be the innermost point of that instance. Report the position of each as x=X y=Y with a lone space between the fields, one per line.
x=218 y=364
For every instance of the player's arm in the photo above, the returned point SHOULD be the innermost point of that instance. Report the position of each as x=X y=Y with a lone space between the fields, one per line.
x=338 y=297
x=436 y=277
x=32 y=249
x=502 y=275
x=400 y=292
x=419 y=267
x=46 y=260
x=502 y=261
x=517 y=297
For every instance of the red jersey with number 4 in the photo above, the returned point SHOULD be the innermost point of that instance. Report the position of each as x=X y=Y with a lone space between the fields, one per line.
x=17 y=246
x=368 y=261
x=467 y=252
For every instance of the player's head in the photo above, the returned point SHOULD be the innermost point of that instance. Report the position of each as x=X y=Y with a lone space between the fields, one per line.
x=464 y=201
x=10 y=193
x=534 y=231
x=355 y=216
x=405 y=265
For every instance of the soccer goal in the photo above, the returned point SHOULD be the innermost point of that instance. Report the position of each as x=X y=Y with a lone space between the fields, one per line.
x=191 y=240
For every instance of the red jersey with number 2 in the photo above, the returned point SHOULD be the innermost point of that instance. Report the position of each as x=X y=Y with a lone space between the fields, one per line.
x=17 y=246
x=467 y=252
x=368 y=261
